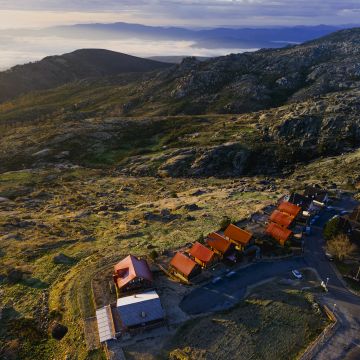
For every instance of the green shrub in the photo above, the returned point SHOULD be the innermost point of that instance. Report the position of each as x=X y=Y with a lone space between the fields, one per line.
x=153 y=255
x=332 y=228
x=224 y=223
x=201 y=239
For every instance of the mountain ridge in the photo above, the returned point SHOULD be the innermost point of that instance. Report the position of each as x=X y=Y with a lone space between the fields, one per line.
x=53 y=71
x=284 y=106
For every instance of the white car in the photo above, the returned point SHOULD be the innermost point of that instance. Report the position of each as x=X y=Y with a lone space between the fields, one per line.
x=297 y=274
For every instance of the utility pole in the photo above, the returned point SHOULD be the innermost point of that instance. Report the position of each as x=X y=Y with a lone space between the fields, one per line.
x=327 y=280
x=333 y=310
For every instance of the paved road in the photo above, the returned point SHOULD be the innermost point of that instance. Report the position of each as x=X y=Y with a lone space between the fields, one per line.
x=345 y=343
x=229 y=291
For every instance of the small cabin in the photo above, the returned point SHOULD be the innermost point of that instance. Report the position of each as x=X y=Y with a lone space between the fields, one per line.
x=317 y=194
x=218 y=244
x=279 y=233
x=202 y=255
x=300 y=200
x=183 y=267
x=289 y=208
x=132 y=274
x=239 y=237
x=282 y=219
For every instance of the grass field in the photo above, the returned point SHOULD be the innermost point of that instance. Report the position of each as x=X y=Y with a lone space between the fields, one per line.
x=274 y=323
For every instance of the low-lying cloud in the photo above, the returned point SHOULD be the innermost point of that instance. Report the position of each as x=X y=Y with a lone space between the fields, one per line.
x=19 y=50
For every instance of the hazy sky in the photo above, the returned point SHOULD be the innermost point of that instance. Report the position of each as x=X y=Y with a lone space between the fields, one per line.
x=39 y=13
x=24 y=47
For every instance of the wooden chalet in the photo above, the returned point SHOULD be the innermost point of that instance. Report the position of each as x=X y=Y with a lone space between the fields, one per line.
x=279 y=233
x=202 y=255
x=239 y=237
x=282 y=219
x=317 y=194
x=300 y=200
x=132 y=274
x=183 y=267
x=218 y=244
x=289 y=208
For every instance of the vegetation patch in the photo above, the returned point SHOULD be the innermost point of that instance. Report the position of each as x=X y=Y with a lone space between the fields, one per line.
x=270 y=324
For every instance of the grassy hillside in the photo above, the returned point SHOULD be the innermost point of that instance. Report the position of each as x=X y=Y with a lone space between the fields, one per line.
x=54 y=71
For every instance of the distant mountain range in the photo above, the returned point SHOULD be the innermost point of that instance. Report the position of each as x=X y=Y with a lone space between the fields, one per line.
x=245 y=38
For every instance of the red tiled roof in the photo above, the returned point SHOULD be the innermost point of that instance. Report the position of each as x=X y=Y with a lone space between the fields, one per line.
x=289 y=208
x=218 y=242
x=201 y=252
x=182 y=263
x=278 y=232
x=129 y=269
x=281 y=218
x=238 y=235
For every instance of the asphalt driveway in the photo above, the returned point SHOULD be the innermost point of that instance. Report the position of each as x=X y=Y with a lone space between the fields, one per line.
x=230 y=290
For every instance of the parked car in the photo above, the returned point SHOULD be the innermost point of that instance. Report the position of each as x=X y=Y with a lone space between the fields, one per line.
x=297 y=274
x=216 y=280
x=231 y=273
x=329 y=257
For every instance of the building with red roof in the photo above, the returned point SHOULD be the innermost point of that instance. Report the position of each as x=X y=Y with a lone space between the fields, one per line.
x=202 y=255
x=279 y=233
x=281 y=218
x=289 y=208
x=132 y=274
x=183 y=267
x=239 y=237
x=218 y=244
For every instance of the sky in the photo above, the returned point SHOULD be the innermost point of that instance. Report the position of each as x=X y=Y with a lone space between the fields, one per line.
x=194 y=13
x=20 y=14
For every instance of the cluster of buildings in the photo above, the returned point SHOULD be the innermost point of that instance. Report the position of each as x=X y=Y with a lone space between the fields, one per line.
x=187 y=264
x=295 y=208
x=138 y=306
x=281 y=220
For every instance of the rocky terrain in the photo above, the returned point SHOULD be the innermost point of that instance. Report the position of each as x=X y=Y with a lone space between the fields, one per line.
x=265 y=142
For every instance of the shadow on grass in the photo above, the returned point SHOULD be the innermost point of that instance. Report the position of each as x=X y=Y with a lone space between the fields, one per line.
x=35 y=283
